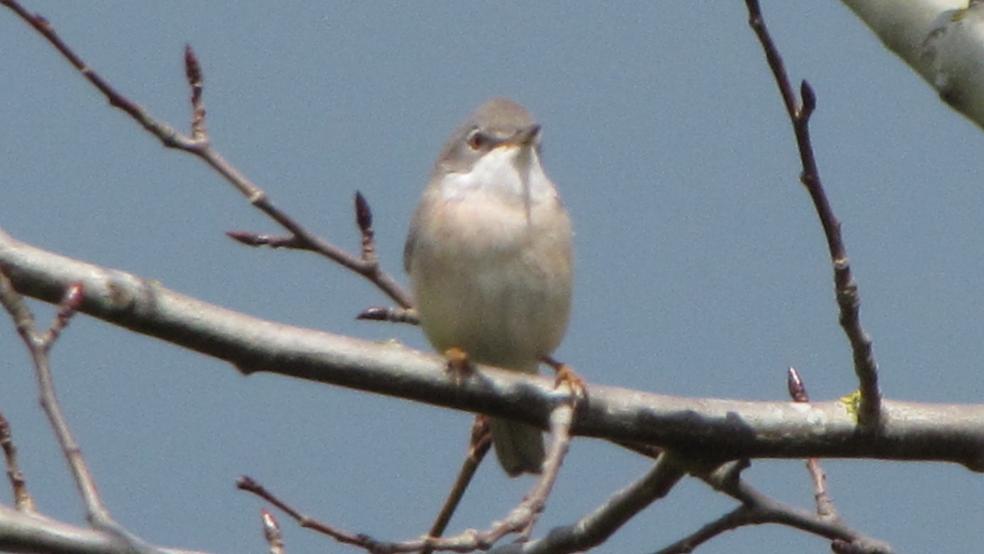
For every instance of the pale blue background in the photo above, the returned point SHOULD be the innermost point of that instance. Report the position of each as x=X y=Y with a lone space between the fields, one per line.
x=701 y=267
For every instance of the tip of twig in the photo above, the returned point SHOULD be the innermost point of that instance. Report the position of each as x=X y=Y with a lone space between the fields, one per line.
x=797 y=389
x=244 y=237
x=271 y=529
x=809 y=99
x=245 y=482
x=193 y=70
x=72 y=301
x=363 y=214
x=374 y=313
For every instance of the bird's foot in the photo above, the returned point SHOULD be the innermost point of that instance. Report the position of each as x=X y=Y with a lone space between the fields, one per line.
x=566 y=375
x=458 y=363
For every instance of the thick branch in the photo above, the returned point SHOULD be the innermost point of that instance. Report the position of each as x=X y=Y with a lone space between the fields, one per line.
x=29 y=532
x=940 y=39
x=730 y=429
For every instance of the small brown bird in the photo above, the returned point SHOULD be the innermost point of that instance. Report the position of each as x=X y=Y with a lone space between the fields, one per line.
x=489 y=258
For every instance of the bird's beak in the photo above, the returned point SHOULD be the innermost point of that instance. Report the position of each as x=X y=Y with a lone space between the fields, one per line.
x=524 y=137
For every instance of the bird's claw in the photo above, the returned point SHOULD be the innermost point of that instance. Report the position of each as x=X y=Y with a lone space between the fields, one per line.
x=567 y=376
x=458 y=363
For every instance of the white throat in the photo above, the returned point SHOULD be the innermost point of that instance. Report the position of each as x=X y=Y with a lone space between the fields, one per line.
x=512 y=172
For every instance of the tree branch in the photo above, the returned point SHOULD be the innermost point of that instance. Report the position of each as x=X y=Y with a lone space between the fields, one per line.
x=22 y=498
x=941 y=44
x=520 y=519
x=825 y=505
x=271 y=532
x=730 y=429
x=478 y=447
x=757 y=508
x=29 y=532
x=594 y=528
x=846 y=288
x=199 y=145
x=763 y=509
x=39 y=346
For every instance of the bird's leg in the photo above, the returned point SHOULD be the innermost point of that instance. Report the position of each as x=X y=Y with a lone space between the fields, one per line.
x=565 y=374
x=459 y=365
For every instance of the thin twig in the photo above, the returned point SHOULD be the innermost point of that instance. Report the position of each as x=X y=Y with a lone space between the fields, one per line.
x=38 y=345
x=846 y=288
x=97 y=511
x=520 y=520
x=22 y=498
x=594 y=528
x=199 y=145
x=363 y=219
x=196 y=81
x=256 y=239
x=393 y=315
x=250 y=485
x=757 y=508
x=478 y=447
x=271 y=532
x=825 y=505
x=738 y=517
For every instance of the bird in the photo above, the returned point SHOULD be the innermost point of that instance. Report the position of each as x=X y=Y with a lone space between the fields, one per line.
x=489 y=257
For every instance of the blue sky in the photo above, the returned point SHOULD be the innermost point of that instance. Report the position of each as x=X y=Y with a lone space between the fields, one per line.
x=700 y=265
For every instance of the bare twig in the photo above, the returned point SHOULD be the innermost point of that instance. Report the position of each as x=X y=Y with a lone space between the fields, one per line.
x=22 y=498
x=594 y=528
x=561 y=419
x=199 y=145
x=393 y=315
x=271 y=532
x=825 y=505
x=478 y=447
x=250 y=485
x=256 y=239
x=730 y=521
x=846 y=288
x=520 y=520
x=196 y=81
x=757 y=508
x=363 y=219
x=39 y=345
x=727 y=479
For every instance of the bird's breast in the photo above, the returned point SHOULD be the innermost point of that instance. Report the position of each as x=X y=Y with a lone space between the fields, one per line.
x=493 y=278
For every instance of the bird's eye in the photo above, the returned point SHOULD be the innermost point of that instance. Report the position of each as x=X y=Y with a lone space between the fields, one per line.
x=477 y=140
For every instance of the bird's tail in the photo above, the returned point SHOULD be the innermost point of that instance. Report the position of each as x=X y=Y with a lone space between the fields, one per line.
x=519 y=446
